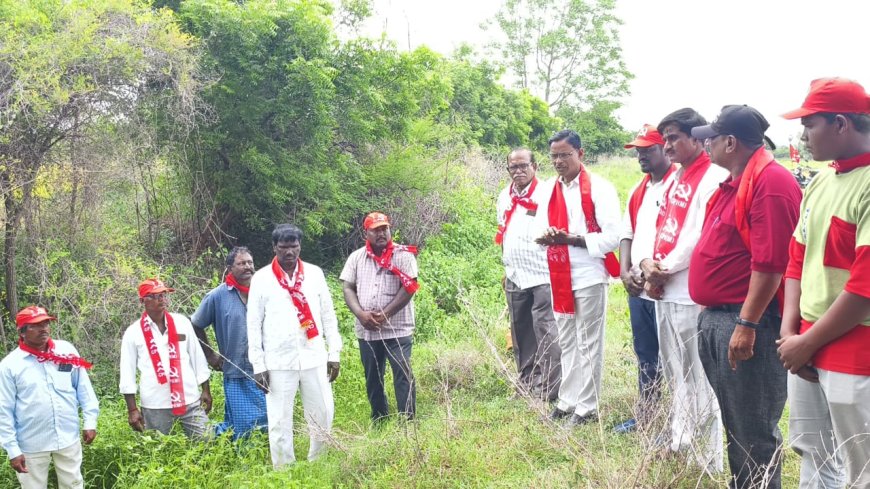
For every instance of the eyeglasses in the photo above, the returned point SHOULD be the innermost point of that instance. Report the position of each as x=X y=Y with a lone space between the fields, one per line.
x=560 y=156
x=518 y=167
x=708 y=143
x=157 y=297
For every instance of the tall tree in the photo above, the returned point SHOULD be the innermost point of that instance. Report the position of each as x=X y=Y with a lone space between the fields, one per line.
x=565 y=51
x=67 y=65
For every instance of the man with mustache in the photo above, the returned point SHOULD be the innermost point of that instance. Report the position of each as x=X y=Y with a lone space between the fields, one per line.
x=583 y=220
x=638 y=238
x=293 y=345
x=379 y=281
x=521 y=220
x=162 y=347
x=43 y=385
x=226 y=308
x=694 y=413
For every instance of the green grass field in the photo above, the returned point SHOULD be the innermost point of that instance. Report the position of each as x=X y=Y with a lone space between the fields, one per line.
x=471 y=431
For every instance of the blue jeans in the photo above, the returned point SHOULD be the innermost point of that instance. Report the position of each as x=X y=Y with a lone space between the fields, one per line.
x=646 y=347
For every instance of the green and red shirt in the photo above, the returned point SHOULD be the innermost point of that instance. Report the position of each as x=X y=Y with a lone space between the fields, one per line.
x=831 y=248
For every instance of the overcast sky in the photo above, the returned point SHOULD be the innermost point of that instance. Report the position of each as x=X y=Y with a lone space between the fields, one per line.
x=697 y=53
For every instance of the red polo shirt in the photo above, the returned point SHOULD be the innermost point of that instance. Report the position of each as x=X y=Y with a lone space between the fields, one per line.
x=721 y=264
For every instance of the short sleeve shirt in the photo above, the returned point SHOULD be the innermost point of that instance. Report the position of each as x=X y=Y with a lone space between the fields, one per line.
x=721 y=264
x=223 y=308
x=376 y=287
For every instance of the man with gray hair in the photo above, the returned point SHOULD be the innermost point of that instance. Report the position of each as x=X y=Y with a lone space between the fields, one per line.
x=293 y=344
x=527 y=279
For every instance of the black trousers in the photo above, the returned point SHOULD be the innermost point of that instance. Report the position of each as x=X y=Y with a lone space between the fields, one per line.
x=374 y=355
x=751 y=399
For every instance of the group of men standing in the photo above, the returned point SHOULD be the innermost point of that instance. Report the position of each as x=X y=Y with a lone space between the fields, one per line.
x=714 y=242
x=277 y=334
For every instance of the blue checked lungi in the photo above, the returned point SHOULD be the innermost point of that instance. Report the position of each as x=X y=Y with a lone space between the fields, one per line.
x=244 y=409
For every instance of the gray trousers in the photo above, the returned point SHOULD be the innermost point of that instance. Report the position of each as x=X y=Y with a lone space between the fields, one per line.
x=193 y=421
x=751 y=398
x=535 y=339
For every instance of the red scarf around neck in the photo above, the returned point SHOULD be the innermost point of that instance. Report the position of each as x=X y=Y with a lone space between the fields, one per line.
x=673 y=213
x=636 y=199
x=558 y=259
x=303 y=310
x=50 y=356
x=843 y=166
x=386 y=261
x=173 y=376
x=745 y=192
x=524 y=201
x=231 y=281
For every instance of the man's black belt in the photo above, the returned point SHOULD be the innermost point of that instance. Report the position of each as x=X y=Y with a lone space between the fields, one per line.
x=772 y=308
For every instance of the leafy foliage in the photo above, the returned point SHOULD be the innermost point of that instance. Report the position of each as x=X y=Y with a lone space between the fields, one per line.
x=567 y=51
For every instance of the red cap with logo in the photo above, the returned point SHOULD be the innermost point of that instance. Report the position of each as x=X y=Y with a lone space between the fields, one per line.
x=32 y=315
x=153 y=286
x=375 y=220
x=646 y=137
x=834 y=95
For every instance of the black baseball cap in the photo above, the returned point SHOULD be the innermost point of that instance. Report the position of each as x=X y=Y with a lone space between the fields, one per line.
x=741 y=121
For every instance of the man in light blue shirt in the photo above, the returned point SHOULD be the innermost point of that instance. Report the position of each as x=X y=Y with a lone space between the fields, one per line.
x=43 y=383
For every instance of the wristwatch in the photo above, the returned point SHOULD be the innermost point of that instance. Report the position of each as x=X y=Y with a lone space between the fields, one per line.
x=747 y=323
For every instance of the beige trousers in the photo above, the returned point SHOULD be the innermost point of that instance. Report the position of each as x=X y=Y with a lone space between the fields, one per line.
x=67 y=464
x=581 y=339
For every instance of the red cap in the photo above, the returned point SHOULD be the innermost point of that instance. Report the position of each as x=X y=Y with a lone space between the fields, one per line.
x=32 y=315
x=375 y=220
x=646 y=137
x=835 y=95
x=153 y=286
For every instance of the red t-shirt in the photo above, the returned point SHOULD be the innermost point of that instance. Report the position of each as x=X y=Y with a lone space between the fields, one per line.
x=721 y=264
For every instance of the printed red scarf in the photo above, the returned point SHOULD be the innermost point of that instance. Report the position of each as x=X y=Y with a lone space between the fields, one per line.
x=673 y=213
x=303 y=310
x=50 y=356
x=173 y=376
x=636 y=199
x=232 y=282
x=524 y=201
x=745 y=192
x=558 y=259
x=386 y=261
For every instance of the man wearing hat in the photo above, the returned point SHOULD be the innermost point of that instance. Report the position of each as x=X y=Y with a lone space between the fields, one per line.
x=826 y=321
x=527 y=279
x=638 y=238
x=43 y=385
x=225 y=307
x=162 y=347
x=379 y=281
x=736 y=274
x=293 y=345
